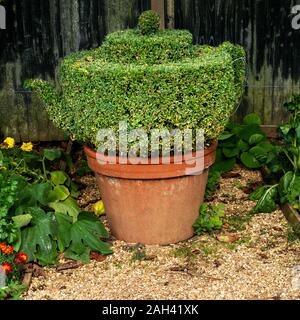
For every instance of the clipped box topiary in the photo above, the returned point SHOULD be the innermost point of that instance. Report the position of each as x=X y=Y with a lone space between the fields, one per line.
x=148 y=79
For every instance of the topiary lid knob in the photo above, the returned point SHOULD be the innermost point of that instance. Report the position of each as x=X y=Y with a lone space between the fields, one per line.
x=149 y=22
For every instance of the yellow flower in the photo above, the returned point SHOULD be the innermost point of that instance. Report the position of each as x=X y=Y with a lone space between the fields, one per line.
x=9 y=143
x=3 y=168
x=99 y=208
x=27 y=147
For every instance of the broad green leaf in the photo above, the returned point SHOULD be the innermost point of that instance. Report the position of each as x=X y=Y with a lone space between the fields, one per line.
x=242 y=145
x=289 y=187
x=50 y=258
x=41 y=191
x=74 y=190
x=252 y=118
x=58 y=177
x=223 y=164
x=258 y=193
x=59 y=193
x=267 y=146
x=285 y=129
x=64 y=231
x=231 y=152
x=250 y=161
x=37 y=238
x=68 y=206
x=259 y=153
x=256 y=138
x=225 y=136
x=22 y=220
x=87 y=232
x=266 y=197
x=52 y=154
x=84 y=257
x=248 y=131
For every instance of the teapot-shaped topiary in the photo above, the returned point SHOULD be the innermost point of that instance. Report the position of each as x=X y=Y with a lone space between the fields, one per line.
x=153 y=81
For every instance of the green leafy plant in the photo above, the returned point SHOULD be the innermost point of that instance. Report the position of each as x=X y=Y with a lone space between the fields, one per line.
x=8 y=193
x=283 y=166
x=244 y=144
x=186 y=86
x=210 y=218
x=13 y=291
x=38 y=210
x=149 y=22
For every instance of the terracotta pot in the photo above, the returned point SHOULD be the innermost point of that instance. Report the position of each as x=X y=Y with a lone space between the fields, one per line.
x=152 y=203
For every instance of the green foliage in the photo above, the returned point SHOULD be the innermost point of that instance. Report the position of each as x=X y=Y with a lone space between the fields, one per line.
x=244 y=143
x=283 y=165
x=152 y=82
x=149 y=22
x=8 y=194
x=13 y=291
x=38 y=211
x=129 y=47
x=266 y=197
x=210 y=218
x=212 y=183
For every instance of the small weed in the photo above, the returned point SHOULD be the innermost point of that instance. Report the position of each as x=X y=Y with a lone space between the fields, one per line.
x=230 y=246
x=207 y=250
x=182 y=252
x=118 y=265
x=237 y=184
x=210 y=218
x=138 y=255
x=238 y=222
x=293 y=234
x=270 y=245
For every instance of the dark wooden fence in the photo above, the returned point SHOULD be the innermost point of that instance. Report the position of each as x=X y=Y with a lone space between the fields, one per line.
x=264 y=28
x=40 y=32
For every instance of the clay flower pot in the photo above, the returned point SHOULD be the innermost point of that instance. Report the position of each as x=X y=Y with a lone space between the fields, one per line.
x=151 y=203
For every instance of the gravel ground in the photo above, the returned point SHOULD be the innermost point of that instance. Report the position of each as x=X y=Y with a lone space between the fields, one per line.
x=261 y=264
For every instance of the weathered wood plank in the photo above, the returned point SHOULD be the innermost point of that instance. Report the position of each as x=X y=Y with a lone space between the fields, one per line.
x=38 y=35
x=264 y=28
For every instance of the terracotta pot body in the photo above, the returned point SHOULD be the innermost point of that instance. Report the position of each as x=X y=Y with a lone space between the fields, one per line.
x=151 y=203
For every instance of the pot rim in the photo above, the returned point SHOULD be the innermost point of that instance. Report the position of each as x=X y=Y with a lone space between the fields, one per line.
x=151 y=161
x=176 y=167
